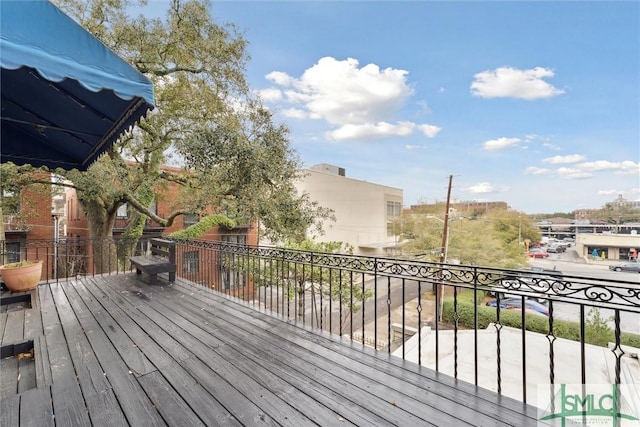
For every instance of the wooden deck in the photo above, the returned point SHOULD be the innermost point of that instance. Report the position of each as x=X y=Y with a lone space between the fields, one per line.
x=113 y=350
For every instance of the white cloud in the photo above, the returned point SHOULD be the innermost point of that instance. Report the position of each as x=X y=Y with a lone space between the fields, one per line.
x=571 y=173
x=551 y=146
x=359 y=102
x=370 y=130
x=480 y=188
x=571 y=158
x=279 y=78
x=430 y=131
x=294 y=113
x=411 y=147
x=625 y=167
x=270 y=94
x=532 y=170
x=507 y=82
x=500 y=143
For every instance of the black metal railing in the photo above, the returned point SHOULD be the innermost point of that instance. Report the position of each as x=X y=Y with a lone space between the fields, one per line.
x=430 y=313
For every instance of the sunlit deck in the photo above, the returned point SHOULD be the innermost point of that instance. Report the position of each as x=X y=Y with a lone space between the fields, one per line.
x=113 y=350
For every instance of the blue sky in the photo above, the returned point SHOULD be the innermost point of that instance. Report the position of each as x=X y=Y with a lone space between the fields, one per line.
x=533 y=103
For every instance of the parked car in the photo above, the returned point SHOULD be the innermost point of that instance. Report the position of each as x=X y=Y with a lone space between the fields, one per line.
x=629 y=266
x=556 y=249
x=516 y=304
x=538 y=253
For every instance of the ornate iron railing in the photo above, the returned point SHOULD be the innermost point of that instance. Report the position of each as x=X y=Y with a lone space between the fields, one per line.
x=430 y=313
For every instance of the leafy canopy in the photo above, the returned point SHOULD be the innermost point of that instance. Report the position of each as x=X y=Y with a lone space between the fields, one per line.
x=232 y=158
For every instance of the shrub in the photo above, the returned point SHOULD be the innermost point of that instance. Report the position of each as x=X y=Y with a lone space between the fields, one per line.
x=596 y=330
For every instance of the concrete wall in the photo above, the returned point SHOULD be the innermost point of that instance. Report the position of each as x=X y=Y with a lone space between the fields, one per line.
x=360 y=208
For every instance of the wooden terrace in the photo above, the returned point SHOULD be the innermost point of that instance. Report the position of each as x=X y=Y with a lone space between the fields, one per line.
x=113 y=350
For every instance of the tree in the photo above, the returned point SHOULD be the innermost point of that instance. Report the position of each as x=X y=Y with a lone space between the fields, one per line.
x=203 y=104
x=618 y=212
x=299 y=280
x=492 y=239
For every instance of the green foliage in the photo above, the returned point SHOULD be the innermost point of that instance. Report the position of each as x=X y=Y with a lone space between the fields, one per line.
x=240 y=162
x=494 y=238
x=20 y=187
x=596 y=330
x=297 y=278
x=205 y=224
x=618 y=212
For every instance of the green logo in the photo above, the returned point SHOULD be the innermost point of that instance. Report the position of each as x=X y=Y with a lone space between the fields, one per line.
x=596 y=408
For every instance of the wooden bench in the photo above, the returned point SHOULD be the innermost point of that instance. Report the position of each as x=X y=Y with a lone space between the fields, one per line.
x=161 y=260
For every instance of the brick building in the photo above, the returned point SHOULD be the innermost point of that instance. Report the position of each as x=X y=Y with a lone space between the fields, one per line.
x=29 y=219
x=202 y=262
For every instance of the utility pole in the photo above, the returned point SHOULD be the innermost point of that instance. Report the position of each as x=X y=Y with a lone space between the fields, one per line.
x=445 y=231
x=444 y=249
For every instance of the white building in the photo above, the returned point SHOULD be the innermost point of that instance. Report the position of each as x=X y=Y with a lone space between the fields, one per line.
x=364 y=211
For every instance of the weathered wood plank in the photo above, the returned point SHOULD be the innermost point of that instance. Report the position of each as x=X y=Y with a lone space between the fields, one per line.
x=205 y=369
x=36 y=409
x=272 y=395
x=326 y=411
x=309 y=391
x=10 y=411
x=26 y=374
x=101 y=402
x=203 y=403
x=136 y=361
x=387 y=404
x=215 y=361
x=14 y=331
x=137 y=407
x=32 y=323
x=465 y=406
x=3 y=326
x=172 y=407
x=8 y=377
x=43 y=366
x=68 y=403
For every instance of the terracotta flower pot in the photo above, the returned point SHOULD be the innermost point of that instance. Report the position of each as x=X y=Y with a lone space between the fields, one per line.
x=21 y=276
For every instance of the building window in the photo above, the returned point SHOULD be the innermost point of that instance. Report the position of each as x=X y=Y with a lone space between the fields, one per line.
x=238 y=239
x=191 y=262
x=122 y=211
x=153 y=207
x=390 y=229
x=12 y=251
x=394 y=209
x=190 y=219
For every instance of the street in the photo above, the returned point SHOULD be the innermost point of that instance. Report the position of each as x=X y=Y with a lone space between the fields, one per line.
x=571 y=265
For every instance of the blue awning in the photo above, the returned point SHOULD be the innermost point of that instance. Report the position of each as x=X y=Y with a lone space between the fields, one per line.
x=65 y=96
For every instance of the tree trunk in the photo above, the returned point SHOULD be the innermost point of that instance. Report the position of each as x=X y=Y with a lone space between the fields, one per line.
x=103 y=249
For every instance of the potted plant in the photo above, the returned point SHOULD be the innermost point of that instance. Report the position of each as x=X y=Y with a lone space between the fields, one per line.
x=21 y=276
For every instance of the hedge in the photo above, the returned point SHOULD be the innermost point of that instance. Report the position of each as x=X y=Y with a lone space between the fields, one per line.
x=596 y=333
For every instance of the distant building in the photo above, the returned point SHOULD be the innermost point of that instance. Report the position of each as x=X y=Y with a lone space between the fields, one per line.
x=613 y=246
x=619 y=202
x=365 y=212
